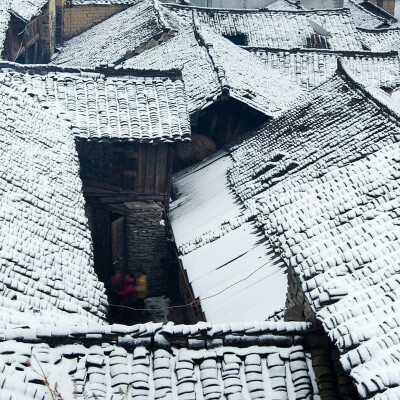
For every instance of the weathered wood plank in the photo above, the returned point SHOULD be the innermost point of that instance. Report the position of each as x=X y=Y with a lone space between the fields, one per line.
x=141 y=178
x=128 y=198
x=130 y=167
x=151 y=160
x=118 y=165
x=168 y=178
x=161 y=168
x=118 y=244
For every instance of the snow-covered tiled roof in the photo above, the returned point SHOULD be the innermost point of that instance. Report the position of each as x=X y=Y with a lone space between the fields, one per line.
x=310 y=68
x=215 y=67
x=323 y=183
x=46 y=258
x=104 y=104
x=227 y=261
x=4 y=21
x=284 y=5
x=381 y=39
x=362 y=17
x=26 y=9
x=111 y=40
x=102 y=2
x=169 y=362
x=273 y=28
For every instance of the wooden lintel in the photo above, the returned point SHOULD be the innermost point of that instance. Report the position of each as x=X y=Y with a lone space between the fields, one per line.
x=129 y=198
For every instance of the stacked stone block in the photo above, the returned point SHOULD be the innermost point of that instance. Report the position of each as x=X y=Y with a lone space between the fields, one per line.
x=48 y=30
x=147 y=245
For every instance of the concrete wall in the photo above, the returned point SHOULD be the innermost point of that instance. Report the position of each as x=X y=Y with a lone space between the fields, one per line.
x=321 y=4
x=237 y=4
x=48 y=29
x=148 y=248
x=249 y=4
x=80 y=18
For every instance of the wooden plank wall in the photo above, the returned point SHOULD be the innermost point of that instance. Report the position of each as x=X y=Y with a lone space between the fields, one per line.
x=143 y=168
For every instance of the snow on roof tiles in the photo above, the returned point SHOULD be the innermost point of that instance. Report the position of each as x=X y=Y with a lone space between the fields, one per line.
x=281 y=29
x=102 y=2
x=310 y=68
x=183 y=50
x=215 y=67
x=106 y=105
x=110 y=41
x=324 y=185
x=4 y=21
x=381 y=39
x=27 y=9
x=362 y=17
x=284 y=5
x=167 y=362
x=227 y=262
x=46 y=259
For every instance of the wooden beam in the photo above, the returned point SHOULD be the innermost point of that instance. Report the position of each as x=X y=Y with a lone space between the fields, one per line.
x=151 y=160
x=161 y=168
x=128 y=198
x=141 y=168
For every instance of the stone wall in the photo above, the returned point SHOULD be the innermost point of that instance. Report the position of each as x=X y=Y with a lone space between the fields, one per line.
x=80 y=18
x=48 y=30
x=333 y=382
x=148 y=248
x=297 y=306
x=60 y=21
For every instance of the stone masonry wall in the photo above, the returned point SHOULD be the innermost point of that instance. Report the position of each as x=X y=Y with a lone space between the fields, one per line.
x=48 y=30
x=147 y=246
x=297 y=306
x=60 y=21
x=80 y=18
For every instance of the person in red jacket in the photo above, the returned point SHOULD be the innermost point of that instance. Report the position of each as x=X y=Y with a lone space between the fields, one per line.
x=128 y=298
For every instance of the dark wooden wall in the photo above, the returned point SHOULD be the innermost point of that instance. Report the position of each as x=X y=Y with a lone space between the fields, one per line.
x=134 y=171
x=23 y=42
x=99 y=223
x=226 y=120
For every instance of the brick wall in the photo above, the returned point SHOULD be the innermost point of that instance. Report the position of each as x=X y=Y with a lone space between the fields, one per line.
x=80 y=18
x=148 y=248
x=48 y=29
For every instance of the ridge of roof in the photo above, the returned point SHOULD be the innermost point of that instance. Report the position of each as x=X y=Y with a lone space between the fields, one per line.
x=382 y=30
x=366 y=53
x=106 y=70
x=258 y=10
x=220 y=72
x=258 y=332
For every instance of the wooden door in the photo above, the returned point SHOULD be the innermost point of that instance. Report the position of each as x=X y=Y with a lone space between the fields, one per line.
x=118 y=244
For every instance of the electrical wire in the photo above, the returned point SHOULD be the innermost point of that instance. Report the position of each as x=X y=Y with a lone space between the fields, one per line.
x=153 y=309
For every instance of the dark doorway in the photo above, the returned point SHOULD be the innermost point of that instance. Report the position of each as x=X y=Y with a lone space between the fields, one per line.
x=226 y=120
x=239 y=39
x=118 y=245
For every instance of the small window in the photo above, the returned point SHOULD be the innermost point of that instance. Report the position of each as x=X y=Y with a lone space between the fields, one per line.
x=240 y=39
